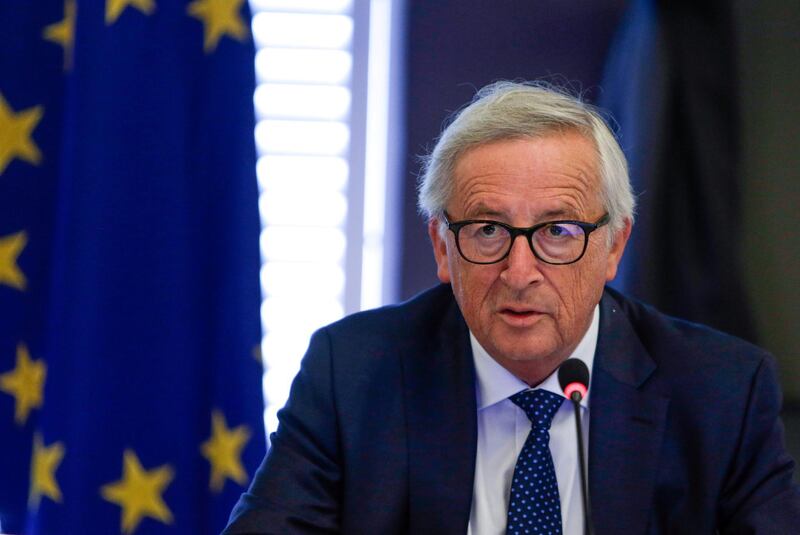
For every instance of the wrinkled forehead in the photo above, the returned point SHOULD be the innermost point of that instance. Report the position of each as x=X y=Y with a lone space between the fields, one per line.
x=543 y=170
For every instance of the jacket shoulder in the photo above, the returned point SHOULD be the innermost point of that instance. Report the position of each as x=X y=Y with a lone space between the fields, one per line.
x=682 y=346
x=419 y=317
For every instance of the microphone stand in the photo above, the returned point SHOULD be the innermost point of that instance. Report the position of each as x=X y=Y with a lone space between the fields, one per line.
x=587 y=508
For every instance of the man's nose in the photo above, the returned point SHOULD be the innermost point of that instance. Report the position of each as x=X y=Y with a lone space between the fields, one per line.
x=522 y=267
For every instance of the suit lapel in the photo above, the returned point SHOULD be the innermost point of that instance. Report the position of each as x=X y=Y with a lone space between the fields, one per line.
x=626 y=427
x=442 y=429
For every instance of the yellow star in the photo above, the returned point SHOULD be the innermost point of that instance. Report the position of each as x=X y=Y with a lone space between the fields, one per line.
x=115 y=7
x=15 y=134
x=224 y=450
x=25 y=383
x=220 y=17
x=63 y=32
x=10 y=248
x=43 y=471
x=139 y=492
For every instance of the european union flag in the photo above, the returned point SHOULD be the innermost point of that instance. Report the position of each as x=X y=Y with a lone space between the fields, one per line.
x=130 y=397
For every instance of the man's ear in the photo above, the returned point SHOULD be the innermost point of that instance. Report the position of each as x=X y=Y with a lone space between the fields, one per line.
x=617 y=248
x=439 y=243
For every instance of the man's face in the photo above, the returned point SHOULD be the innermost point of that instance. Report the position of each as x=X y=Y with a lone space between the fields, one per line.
x=527 y=314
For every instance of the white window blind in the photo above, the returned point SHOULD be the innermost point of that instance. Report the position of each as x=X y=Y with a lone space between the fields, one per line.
x=303 y=99
x=323 y=108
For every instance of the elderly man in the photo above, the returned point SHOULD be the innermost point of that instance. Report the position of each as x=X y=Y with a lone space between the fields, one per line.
x=444 y=414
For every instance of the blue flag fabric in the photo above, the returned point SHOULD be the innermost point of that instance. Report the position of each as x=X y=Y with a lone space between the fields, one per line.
x=130 y=397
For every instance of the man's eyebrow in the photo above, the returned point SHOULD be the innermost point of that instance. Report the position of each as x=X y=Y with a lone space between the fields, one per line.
x=481 y=211
x=488 y=214
x=558 y=213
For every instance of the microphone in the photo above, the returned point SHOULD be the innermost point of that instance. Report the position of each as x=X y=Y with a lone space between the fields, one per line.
x=573 y=376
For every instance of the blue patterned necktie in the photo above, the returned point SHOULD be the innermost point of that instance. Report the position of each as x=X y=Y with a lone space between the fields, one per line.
x=534 y=505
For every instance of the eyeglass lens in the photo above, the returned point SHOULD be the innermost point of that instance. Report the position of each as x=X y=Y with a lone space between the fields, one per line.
x=487 y=242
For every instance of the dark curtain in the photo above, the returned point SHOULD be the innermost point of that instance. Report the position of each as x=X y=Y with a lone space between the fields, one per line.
x=671 y=84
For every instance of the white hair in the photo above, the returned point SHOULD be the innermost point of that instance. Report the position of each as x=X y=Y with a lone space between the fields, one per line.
x=512 y=110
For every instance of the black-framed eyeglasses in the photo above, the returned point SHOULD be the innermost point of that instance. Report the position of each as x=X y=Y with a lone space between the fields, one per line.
x=482 y=241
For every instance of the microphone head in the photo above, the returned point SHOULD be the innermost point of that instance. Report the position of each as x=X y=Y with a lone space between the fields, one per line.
x=573 y=376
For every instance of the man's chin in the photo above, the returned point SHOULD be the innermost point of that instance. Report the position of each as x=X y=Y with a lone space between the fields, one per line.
x=524 y=345
x=527 y=356
x=526 y=352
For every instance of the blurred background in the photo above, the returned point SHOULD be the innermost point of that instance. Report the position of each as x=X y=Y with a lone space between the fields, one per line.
x=189 y=189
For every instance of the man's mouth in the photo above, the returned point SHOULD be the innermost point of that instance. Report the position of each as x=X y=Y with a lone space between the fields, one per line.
x=519 y=316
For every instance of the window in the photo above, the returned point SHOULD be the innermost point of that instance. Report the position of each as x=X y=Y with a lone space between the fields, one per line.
x=323 y=111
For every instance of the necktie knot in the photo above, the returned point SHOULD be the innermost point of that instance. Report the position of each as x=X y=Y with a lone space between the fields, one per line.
x=539 y=405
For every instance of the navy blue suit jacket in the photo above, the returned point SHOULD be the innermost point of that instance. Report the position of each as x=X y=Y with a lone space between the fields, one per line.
x=379 y=433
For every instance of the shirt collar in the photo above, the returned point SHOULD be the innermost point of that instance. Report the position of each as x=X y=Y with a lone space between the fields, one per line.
x=495 y=383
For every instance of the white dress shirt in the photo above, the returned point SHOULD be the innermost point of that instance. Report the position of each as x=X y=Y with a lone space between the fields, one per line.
x=502 y=430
